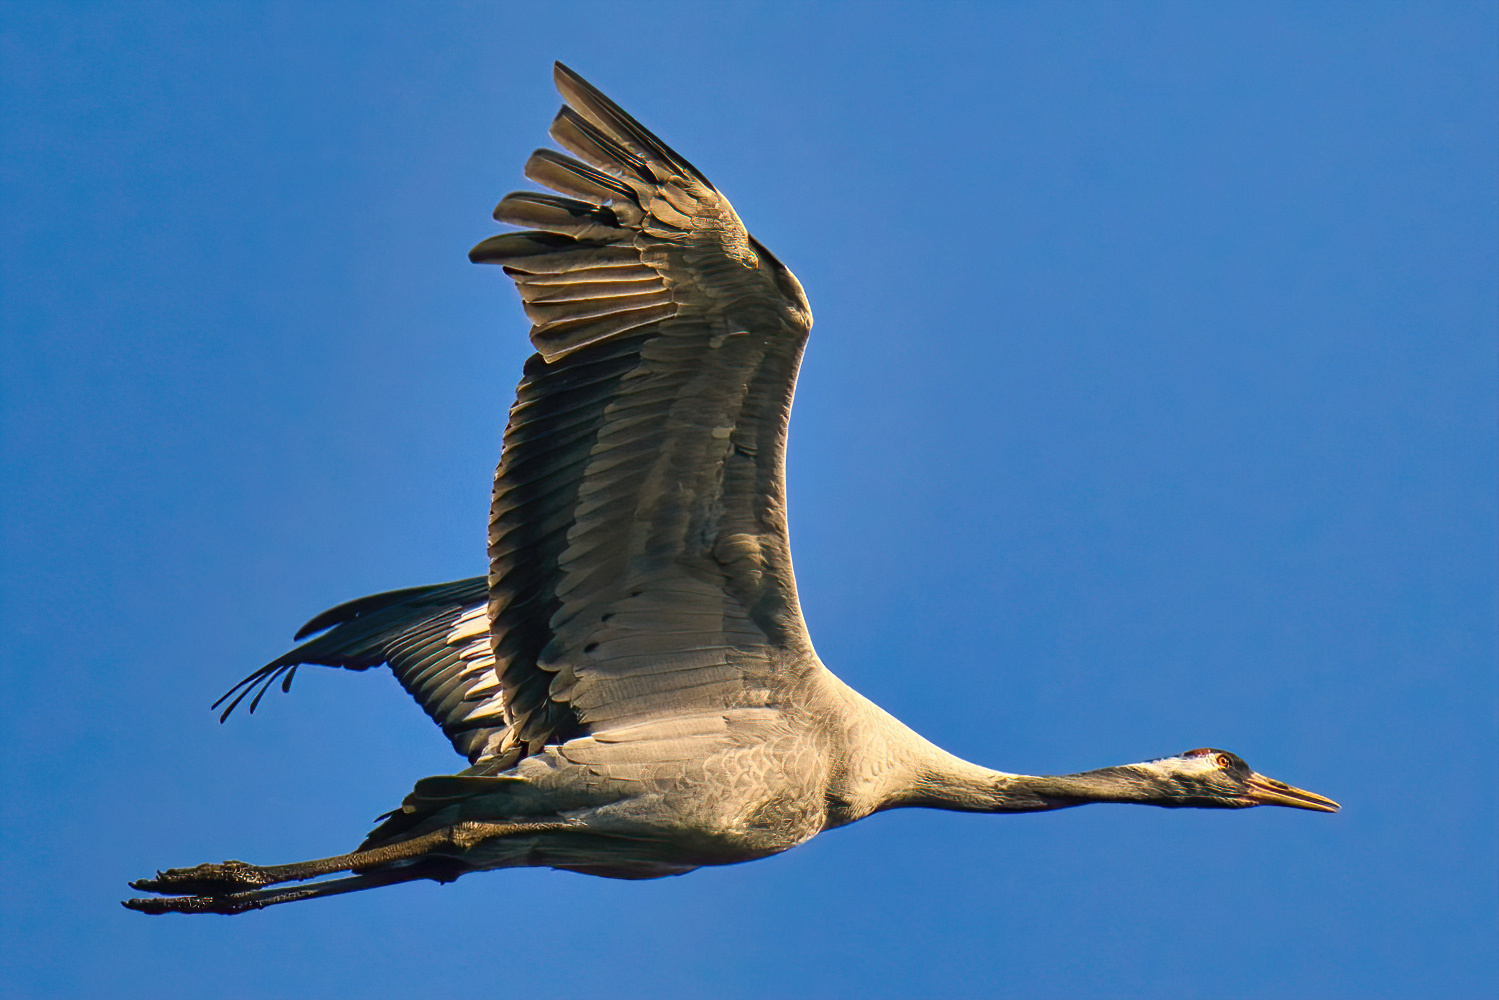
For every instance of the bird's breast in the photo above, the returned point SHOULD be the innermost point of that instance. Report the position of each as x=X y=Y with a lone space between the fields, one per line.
x=757 y=802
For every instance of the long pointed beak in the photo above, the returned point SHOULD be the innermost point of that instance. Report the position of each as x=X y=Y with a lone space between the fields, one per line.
x=1265 y=791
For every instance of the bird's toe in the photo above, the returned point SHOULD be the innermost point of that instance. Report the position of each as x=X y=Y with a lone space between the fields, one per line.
x=205 y=880
x=193 y=904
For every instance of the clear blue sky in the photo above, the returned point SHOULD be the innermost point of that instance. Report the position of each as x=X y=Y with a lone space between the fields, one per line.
x=1150 y=405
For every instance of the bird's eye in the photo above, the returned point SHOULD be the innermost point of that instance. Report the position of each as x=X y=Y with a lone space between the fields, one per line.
x=1223 y=760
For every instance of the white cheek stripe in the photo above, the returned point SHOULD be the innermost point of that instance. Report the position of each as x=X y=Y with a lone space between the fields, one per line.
x=1168 y=766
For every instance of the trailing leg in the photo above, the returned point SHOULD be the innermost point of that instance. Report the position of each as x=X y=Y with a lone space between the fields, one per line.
x=236 y=878
x=259 y=899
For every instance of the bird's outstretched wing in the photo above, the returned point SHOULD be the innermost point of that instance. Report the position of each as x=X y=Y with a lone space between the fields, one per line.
x=434 y=639
x=639 y=563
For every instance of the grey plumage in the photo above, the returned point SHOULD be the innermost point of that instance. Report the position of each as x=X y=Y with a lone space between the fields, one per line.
x=632 y=683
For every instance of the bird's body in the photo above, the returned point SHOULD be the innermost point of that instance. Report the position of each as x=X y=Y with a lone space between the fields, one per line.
x=633 y=684
x=714 y=789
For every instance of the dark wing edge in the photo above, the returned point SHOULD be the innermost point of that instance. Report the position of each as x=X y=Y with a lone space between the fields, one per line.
x=434 y=639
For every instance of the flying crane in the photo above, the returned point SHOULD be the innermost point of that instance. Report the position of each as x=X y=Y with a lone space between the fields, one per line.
x=632 y=684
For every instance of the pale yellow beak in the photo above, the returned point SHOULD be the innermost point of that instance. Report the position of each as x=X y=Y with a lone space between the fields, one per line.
x=1265 y=791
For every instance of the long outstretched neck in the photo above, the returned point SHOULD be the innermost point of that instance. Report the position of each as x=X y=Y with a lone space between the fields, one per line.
x=950 y=782
x=892 y=766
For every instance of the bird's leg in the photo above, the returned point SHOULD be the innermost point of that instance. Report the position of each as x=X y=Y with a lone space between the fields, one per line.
x=259 y=899
x=234 y=877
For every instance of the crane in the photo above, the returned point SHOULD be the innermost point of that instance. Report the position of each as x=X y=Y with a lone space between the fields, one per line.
x=633 y=684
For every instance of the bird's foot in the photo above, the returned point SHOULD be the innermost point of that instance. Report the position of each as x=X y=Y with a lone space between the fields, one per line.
x=259 y=899
x=227 y=904
x=203 y=880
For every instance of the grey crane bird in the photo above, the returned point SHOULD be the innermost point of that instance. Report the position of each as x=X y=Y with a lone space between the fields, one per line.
x=633 y=685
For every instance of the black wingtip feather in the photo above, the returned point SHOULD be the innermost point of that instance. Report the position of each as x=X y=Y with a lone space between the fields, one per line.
x=619 y=124
x=570 y=176
x=285 y=667
x=349 y=610
x=508 y=246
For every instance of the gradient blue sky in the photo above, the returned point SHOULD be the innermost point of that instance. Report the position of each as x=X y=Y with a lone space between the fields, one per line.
x=1150 y=405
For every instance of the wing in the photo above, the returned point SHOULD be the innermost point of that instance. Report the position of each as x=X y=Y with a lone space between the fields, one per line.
x=639 y=563
x=435 y=640
x=640 y=577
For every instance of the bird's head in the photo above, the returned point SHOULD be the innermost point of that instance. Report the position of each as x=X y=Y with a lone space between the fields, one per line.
x=1218 y=779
